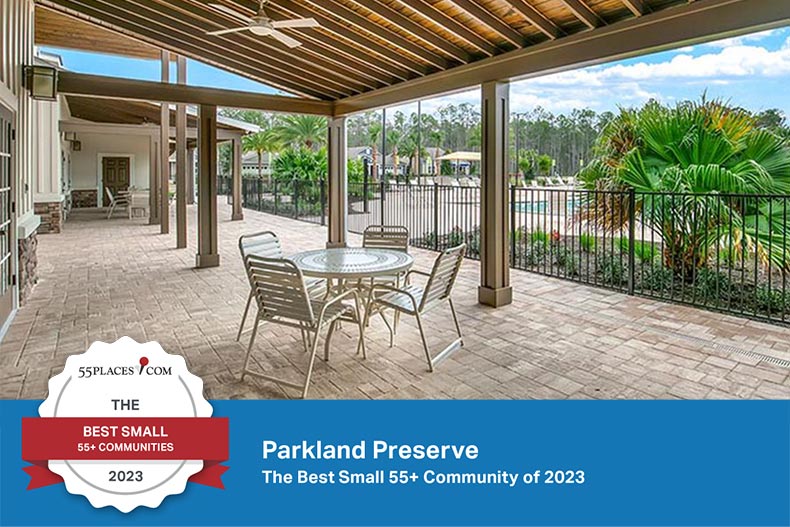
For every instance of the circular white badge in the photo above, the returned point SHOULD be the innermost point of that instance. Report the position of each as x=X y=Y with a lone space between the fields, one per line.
x=126 y=379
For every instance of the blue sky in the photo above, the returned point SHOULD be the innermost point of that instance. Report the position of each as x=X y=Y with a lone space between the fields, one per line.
x=751 y=71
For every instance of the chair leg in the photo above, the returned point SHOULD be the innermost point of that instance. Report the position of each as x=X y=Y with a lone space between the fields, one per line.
x=329 y=338
x=455 y=319
x=396 y=319
x=244 y=317
x=358 y=311
x=386 y=322
x=424 y=342
x=249 y=347
x=112 y=207
x=365 y=321
x=313 y=351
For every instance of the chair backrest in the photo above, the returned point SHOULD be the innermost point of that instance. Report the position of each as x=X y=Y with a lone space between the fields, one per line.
x=109 y=194
x=265 y=244
x=393 y=237
x=279 y=290
x=443 y=275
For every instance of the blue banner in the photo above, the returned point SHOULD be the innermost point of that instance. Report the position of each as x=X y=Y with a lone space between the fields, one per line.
x=557 y=463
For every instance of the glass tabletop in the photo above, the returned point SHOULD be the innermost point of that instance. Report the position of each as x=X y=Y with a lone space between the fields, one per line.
x=352 y=262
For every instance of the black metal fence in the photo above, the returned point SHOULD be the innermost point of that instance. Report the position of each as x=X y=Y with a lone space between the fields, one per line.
x=729 y=253
x=303 y=200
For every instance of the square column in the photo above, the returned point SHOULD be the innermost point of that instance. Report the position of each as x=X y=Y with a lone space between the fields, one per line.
x=237 y=213
x=190 y=176
x=338 y=183
x=153 y=181
x=208 y=255
x=181 y=161
x=164 y=155
x=495 y=289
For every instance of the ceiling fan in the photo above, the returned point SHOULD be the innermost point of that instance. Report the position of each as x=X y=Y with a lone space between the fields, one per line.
x=263 y=26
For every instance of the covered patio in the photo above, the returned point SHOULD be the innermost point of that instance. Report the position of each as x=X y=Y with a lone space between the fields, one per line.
x=525 y=336
x=556 y=340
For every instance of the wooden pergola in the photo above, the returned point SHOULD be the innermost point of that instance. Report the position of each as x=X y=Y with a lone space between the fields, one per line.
x=369 y=54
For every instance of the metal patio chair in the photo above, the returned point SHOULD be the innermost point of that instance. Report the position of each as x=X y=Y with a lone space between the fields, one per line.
x=416 y=301
x=121 y=200
x=283 y=298
x=393 y=237
x=267 y=245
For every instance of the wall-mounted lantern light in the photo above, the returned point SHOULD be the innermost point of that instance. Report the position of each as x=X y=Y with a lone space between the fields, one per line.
x=42 y=82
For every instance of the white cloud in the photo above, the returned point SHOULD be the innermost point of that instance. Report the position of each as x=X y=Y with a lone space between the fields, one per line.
x=739 y=41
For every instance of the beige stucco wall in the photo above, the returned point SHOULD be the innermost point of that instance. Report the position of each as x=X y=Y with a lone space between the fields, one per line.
x=86 y=165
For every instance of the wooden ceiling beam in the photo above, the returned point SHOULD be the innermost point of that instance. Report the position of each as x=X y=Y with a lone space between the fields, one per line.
x=439 y=17
x=407 y=24
x=371 y=48
x=338 y=51
x=203 y=20
x=504 y=30
x=584 y=13
x=536 y=18
x=364 y=24
x=130 y=25
x=682 y=25
x=261 y=51
x=637 y=7
x=70 y=83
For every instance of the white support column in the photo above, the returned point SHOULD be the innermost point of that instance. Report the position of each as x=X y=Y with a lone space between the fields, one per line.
x=164 y=155
x=181 y=160
x=237 y=213
x=495 y=289
x=338 y=183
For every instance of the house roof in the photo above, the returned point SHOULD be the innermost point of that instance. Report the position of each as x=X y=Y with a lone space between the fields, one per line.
x=101 y=110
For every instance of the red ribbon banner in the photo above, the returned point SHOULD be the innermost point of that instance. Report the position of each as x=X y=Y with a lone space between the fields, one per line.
x=137 y=438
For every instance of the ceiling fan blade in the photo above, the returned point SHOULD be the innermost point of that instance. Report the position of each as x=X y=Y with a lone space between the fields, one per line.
x=230 y=12
x=225 y=31
x=296 y=23
x=285 y=39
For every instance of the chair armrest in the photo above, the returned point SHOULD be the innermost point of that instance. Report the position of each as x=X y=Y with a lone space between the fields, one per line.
x=390 y=288
x=414 y=271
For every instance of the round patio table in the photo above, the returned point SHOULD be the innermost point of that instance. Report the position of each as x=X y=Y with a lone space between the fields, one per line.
x=352 y=263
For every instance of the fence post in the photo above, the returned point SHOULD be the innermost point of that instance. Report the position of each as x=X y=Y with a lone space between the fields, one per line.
x=276 y=197
x=365 y=204
x=383 y=196
x=512 y=226
x=259 y=191
x=631 y=240
x=436 y=217
x=322 y=197
x=295 y=199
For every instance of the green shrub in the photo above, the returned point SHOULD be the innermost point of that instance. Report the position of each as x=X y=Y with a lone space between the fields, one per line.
x=772 y=300
x=657 y=279
x=613 y=272
x=539 y=236
x=588 y=243
x=644 y=252
x=710 y=284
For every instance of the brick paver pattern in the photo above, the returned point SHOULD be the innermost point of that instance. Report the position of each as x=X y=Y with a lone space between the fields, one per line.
x=101 y=280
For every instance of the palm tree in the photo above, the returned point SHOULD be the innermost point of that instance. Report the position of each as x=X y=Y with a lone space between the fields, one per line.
x=374 y=138
x=264 y=141
x=308 y=131
x=701 y=174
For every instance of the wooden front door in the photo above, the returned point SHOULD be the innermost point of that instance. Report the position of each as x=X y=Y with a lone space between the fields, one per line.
x=115 y=176
x=7 y=234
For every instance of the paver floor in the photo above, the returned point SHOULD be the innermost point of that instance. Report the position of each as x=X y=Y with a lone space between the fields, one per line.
x=100 y=280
